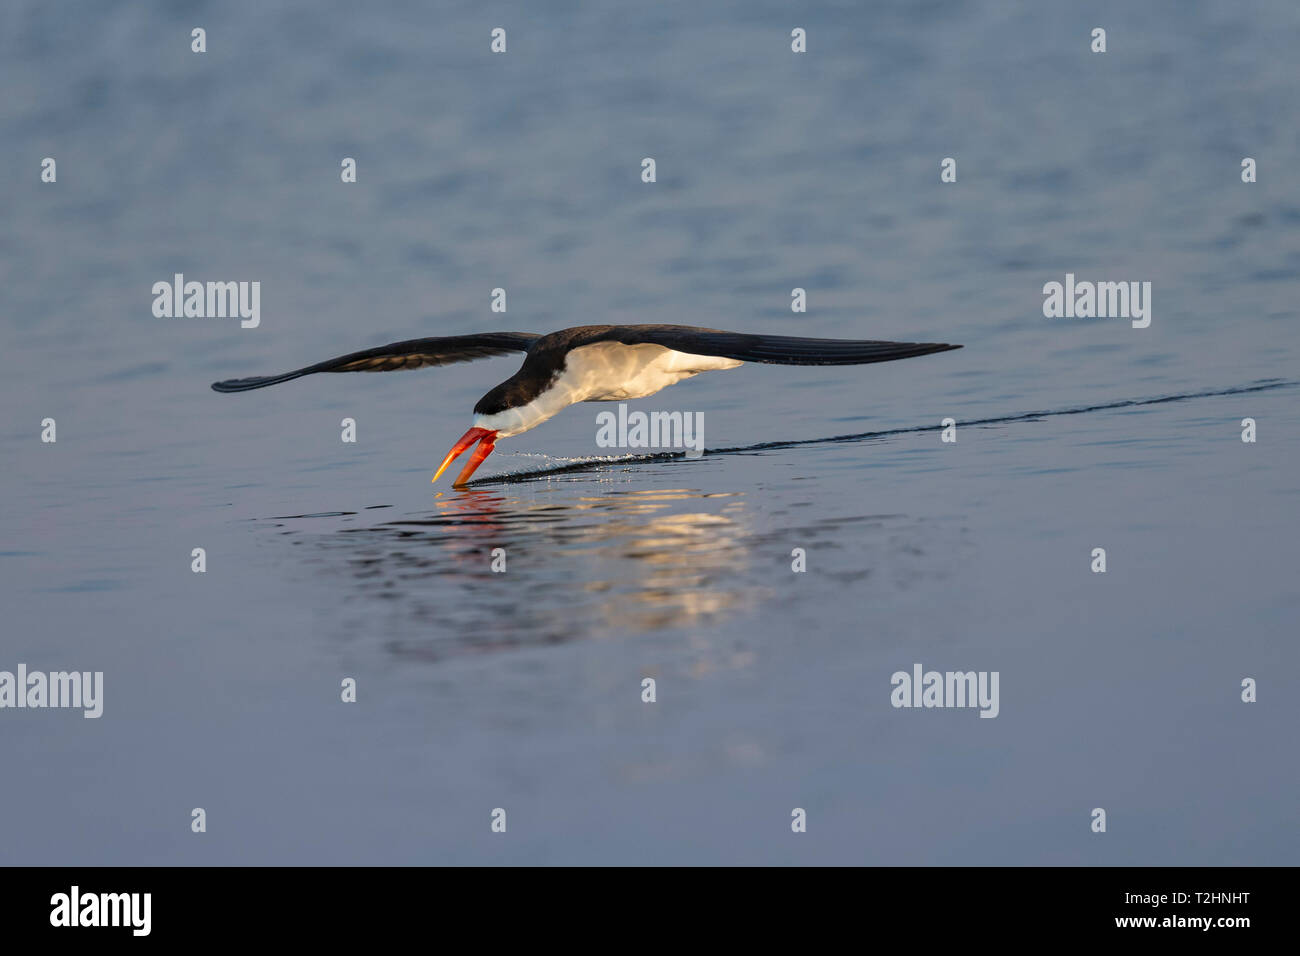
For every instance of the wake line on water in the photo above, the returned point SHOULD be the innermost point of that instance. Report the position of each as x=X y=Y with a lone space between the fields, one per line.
x=592 y=464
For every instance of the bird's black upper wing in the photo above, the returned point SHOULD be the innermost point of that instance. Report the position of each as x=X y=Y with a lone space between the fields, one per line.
x=770 y=349
x=413 y=353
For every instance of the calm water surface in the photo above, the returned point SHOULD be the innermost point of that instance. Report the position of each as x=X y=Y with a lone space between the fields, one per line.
x=522 y=690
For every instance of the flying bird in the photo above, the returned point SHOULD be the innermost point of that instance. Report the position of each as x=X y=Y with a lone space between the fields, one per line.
x=590 y=363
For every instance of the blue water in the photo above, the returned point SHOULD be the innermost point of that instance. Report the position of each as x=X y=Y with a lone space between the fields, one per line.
x=522 y=690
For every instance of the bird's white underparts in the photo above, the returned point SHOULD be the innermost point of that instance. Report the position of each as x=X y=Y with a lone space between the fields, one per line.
x=590 y=363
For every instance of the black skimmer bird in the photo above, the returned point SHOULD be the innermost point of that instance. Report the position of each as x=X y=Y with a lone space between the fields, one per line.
x=591 y=363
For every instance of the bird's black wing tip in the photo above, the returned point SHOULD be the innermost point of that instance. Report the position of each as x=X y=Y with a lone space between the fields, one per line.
x=241 y=384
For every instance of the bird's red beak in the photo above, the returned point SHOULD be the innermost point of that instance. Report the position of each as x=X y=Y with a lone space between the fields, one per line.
x=484 y=449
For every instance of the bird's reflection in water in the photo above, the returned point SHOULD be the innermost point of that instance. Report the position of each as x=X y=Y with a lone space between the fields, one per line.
x=577 y=566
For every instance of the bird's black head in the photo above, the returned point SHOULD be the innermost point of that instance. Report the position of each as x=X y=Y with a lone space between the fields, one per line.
x=497 y=400
x=521 y=388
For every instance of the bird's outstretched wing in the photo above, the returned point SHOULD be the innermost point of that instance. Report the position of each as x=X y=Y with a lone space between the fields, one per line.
x=769 y=349
x=413 y=353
